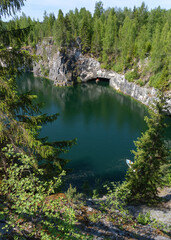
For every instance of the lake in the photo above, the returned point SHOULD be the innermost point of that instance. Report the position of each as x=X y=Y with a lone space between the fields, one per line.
x=105 y=123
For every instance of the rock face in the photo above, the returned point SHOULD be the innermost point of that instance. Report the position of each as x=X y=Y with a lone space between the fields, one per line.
x=56 y=65
x=69 y=66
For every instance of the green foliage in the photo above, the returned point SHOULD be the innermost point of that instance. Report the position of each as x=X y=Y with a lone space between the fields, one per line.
x=98 y=9
x=10 y=7
x=61 y=30
x=161 y=79
x=127 y=34
x=96 y=44
x=85 y=30
x=28 y=209
x=72 y=195
x=155 y=80
x=110 y=35
x=44 y=71
x=143 y=43
x=131 y=76
x=144 y=219
x=31 y=168
x=79 y=80
x=140 y=82
x=95 y=193
x=94 y=217
x=116 y=196
x=120 y=38
x=20 y=117
x=115 y=202
x=166 y=168
x=105 y=65
x=117 y=68
x=146 y=174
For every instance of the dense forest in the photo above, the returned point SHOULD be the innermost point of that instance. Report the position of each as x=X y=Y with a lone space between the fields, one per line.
x=134 y=42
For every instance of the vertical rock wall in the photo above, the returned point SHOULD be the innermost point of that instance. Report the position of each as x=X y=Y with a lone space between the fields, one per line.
x=67 y=66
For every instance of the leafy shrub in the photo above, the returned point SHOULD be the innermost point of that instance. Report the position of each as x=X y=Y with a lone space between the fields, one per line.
x=117 y=68
x=72 y=194
x=116 y=200
x=155 y=80
x=144 y=219
x=27 y=209
x=105 y=66
x=131 y=76
x=140 y=82
x=161 y=79
x=79 y=80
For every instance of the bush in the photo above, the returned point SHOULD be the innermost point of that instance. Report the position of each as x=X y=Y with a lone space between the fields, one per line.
x=105 y=66
x=144 y=219
x=131 y=76
x=155 y=80
x=117 y=68
x=140 y=82
x=73 y=195
x=27 y=209
x=116 y=198
x=79 y=80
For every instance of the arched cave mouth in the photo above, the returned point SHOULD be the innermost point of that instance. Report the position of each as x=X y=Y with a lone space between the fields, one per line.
x=98 y=79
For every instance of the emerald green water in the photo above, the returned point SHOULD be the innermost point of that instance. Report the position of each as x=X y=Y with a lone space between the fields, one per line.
x=104 y=122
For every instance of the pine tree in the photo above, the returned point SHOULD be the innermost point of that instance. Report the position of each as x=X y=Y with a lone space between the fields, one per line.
x=143 y=44
x=146 y=175
x=59 y=31
x=127 y=35
x=156 y=51
x=96 y=44
x=85 y=29
x=140 y=15
x=110 y=37
x=98 y=9
x=74 y=22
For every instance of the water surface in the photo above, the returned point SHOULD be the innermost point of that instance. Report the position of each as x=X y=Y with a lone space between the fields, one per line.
x=104 y=122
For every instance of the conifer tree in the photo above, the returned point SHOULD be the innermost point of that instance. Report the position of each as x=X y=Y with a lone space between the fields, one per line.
x=143 y=44
x=85 y=29
x=127 y=41
x=98 y=9
x=146 y=175
x=26 y=161
x=96 y=44
x=59 y=30
x=74 y=22
x=110 y=37
x=156 y=51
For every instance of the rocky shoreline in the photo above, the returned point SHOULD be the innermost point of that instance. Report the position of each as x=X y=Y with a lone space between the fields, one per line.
x=106 y=227
x=69 y=66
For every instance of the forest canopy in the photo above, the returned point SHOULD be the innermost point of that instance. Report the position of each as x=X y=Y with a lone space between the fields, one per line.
x=131 y=41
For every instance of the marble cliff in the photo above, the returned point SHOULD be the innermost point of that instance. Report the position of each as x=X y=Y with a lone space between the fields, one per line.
x=66 y=67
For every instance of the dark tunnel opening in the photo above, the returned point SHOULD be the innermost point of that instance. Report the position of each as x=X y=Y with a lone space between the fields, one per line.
x=98 y=79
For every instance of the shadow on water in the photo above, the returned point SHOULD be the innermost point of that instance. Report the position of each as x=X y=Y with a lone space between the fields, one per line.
x=104 y=122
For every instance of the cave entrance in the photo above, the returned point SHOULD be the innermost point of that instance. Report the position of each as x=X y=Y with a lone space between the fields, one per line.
x=98 y=79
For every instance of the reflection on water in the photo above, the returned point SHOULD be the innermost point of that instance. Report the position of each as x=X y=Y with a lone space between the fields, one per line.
x=104 y=122
x=103 y=101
